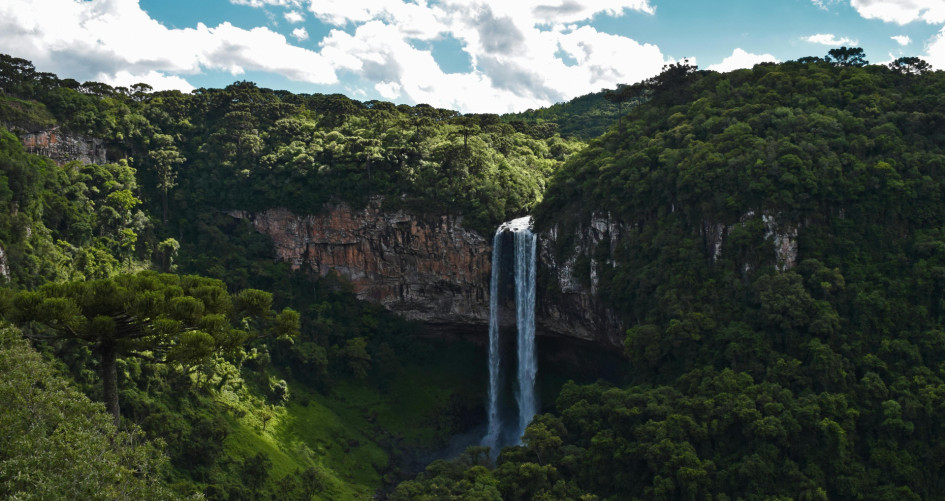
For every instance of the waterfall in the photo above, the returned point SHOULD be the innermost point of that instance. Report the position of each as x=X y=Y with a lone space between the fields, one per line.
x=525 y=322
x=524 y=248
x=491 y=439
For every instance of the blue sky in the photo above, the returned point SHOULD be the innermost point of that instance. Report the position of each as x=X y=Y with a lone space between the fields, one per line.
x=474 y=56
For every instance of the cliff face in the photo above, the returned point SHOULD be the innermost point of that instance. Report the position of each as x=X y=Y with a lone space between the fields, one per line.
x=64 y=147
x=569 y=303
x=434 y=270
x=424 y=269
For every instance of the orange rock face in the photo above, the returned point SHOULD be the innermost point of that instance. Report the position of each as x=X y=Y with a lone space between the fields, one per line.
x=424 y=269
x=63 y=148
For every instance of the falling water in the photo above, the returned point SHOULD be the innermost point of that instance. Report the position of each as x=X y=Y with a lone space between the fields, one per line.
x=495 y=424
x=525 y=322
x=524 y=272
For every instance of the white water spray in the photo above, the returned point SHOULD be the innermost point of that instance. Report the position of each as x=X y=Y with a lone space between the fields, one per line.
x=527 y=364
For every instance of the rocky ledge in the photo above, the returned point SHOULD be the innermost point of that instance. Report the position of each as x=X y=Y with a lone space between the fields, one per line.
x=431 y=269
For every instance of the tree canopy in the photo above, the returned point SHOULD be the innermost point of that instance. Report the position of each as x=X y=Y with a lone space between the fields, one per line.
x=163 y=317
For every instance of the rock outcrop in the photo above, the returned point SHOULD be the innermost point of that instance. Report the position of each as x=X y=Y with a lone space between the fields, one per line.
x=64 y=147
x=783 y=236
x=429 y=269
x=572 y=306
x=433 y=270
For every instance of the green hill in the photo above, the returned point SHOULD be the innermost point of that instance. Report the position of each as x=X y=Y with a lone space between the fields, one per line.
x=811 y=373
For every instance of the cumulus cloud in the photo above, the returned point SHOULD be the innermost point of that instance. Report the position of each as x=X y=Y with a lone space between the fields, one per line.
x=901 y=11
x=517 y=50
x=109 y=40
x=741 y=59
x=522 y=54
x=902 y=39
x=935 y=52
x=265 y=3
x=294 y=16
x=157 y=80
x=829 y=39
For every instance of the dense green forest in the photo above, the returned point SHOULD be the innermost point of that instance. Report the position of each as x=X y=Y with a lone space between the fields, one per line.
x=250 y=380
x=816 y=372
x=755 y=376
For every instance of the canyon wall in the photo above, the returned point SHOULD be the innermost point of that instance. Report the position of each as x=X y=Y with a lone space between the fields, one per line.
x=432 y=269
x=428 y=269
x=569 y=303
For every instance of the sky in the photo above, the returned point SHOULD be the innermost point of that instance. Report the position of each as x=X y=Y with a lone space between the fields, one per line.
x=483 y=56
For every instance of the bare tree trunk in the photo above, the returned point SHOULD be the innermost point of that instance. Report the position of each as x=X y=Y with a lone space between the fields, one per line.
x=110 y=379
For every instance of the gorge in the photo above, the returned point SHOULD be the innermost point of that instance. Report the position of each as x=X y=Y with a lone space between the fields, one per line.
x=760 y=253
x=434 y=270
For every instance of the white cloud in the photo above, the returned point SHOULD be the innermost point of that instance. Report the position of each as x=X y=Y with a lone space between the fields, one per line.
x=294 y=16
x=935 y=52
x=515 y=47
x=388 y=90
x=741 y=59
x=341 y=12
x=829 y=39
x=265 y=3
x=157 y=80
x=107 y=39
x=902 y=39
x=901 y=11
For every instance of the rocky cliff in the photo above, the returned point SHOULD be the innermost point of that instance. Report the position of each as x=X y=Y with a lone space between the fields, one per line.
x=432 y=269
x=64 y=147
x=568 y=303
x=428 y=269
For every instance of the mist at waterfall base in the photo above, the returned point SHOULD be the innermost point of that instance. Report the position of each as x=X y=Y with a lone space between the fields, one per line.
x=506 y=419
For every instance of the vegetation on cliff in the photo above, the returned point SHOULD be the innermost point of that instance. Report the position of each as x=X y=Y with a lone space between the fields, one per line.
x=234 y=409
x=781 y=273
x=780 y=269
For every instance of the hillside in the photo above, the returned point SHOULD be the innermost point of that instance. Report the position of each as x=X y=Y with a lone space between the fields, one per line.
x=780 y=270
x=773 y=247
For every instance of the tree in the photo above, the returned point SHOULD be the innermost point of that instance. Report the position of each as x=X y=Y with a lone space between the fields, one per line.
x=853 y=56
x=167 y=251
x=468 y=126
x=57 y=444
x=910 y=66
x=165 y=158
x=620 y=95
x=160 y=317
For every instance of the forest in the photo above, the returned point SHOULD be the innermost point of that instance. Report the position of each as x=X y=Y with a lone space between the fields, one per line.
x=781 y=273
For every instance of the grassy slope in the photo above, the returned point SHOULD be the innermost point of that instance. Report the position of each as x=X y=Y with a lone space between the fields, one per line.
x=351 y=434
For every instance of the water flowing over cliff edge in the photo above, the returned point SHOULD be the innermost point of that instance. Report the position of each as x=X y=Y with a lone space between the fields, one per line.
x=430 y=268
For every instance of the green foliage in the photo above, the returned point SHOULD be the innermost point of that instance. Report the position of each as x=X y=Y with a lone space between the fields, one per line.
x=56 y=444
x=167 y=318
x=758 y=374
x=65 y=223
